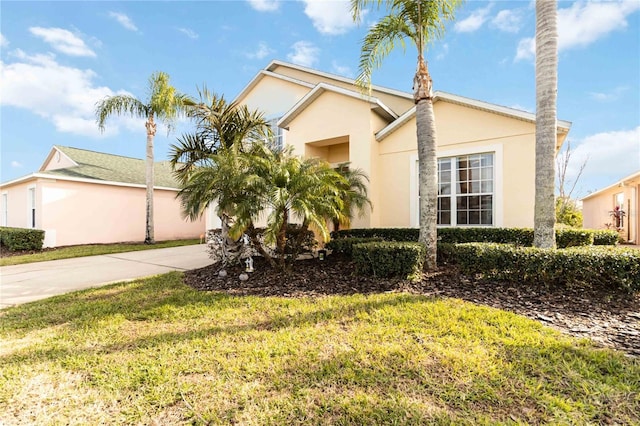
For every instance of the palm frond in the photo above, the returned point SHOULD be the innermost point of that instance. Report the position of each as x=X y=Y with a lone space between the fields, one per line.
x=119 y=105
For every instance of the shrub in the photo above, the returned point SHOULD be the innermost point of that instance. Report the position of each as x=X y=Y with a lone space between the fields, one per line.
x=345 y=245
x=605 y=237
x=565 y=237
x=593 y=266
x=390 y=259
x=21 y=238
x=568 y=237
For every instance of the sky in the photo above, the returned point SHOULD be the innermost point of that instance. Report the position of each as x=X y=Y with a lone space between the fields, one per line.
x=57 y=59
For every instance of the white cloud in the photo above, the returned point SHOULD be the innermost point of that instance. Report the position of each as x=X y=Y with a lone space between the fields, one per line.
x=610 y=154
x=123 y=20
x=3 y=41
x=63 y=95
x=265 y=5
x=583 y=23
x=609 y=96
x=304 y=53
x=508 y=20
x=262 y=51
x=63 y=41
x=526 y=49
x=474 y=21
x=16 y=164
x=189 y=33
x=342 y=70
x=330 y=17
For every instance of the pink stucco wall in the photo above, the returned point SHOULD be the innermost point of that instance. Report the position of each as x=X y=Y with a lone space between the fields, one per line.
x=83 y=213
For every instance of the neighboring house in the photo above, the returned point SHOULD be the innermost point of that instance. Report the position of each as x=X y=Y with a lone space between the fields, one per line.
x=82 y=197
x=599 y=208
x=486 y=152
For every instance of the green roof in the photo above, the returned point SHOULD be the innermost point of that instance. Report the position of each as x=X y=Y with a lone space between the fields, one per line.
x=113 y=168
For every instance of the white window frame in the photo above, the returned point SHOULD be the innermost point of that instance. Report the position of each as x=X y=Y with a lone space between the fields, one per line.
x=278 y=133
x=5 y=209
x=498 y=207
x=31 y=207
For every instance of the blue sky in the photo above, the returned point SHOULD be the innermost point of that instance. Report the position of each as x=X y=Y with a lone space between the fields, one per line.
x=59 y=58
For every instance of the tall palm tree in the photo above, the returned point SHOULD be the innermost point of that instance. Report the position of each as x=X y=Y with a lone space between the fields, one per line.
x=546 y=121
x=419 y=21
x=164 y=103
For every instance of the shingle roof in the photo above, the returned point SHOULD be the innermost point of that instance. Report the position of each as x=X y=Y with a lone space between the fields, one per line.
x=113 y=168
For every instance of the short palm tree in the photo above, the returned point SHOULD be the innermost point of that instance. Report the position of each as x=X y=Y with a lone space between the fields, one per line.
x=419 y=21
x=546 y=122
x=353 y=193
x=164 y=103
x=219 y=125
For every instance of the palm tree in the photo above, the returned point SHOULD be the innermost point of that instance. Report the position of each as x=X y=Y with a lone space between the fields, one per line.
x=420 y=21
x=353 y=193
x=219 y=124
x=546 y=121
x=164 y=103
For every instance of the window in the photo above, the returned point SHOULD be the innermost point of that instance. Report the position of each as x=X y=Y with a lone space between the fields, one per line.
x=618 y=212
x=5 y=210
x=465 y=190
x=32 y=208
x=277 y=139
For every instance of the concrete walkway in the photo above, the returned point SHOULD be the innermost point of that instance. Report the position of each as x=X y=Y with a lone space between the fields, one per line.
x=34 y=281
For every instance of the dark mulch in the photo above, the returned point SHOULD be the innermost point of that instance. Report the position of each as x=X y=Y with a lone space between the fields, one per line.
x=607 y=316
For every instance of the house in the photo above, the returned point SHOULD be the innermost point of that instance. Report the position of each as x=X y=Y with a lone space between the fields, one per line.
x=615 y=207
x=82 y=197
x=486 y=152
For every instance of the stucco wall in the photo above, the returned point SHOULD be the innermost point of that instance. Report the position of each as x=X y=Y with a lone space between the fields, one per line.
x=273 y=96
x=85 y=213
x=596 y=210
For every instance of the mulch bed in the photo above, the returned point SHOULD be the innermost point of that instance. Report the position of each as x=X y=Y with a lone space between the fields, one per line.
x=609 y=317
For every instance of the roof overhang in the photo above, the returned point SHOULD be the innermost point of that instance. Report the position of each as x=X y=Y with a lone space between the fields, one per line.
x=632 y=179
x=55 y=150
x=376 y=105
x=563 y=126
x=54 y=176
x=266 y=73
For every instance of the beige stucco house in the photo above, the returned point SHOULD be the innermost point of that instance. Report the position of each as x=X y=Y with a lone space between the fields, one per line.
x=486 y=152
x=598 y=208
x=82 y=197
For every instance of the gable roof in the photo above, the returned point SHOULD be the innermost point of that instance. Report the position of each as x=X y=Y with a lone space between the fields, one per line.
x=376 y=105
x=563 y=126
x=111 y=168
x=633 y=178
x=81 y=165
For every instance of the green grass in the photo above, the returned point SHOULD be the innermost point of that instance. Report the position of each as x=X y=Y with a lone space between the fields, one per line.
x=90 y=250
x=155 y=350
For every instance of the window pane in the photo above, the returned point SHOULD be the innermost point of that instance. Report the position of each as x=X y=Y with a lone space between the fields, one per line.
x=444 y=218
x=444 y=164
x=486 y=217
x=474 y=174
x=486 y=186
x=474 y=161
x=474 y=203
x=487 y=159
x=475 y=187
x=462 y=203
x=463 y=163
x=445 y=176
x=486 y=202
x=474 y=217
x=462 y=218
x=487 y=173
x=444 y=203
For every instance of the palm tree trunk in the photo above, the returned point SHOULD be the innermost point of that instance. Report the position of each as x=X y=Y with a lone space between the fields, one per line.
x=427 y=163
x=546 y=122
x=151 y=132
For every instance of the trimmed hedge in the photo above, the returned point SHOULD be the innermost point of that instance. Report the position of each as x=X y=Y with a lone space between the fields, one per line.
x=605 y=237
x=390 y=259
x=594 y=266
x=345 y=245
x=15 y=239
x=518 y=236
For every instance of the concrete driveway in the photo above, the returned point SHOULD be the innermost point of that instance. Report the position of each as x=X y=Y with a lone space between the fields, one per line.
x=34 y=281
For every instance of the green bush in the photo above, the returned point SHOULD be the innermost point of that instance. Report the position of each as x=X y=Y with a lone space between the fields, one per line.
x=345 y=245
x=390 y=259
x=568 y=237
x=565 y=237
x=387 y=234
x=592 y=266
x=605 y=237
x=15 y=239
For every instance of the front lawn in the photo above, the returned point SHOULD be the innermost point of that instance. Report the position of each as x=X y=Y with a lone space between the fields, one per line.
x=87 y=250
x=156 y=350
